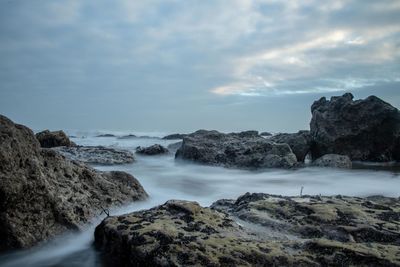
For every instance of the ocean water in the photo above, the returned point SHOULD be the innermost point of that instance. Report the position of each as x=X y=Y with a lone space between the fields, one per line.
x=164 y=178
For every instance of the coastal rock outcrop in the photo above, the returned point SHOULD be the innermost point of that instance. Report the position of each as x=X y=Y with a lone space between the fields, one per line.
x=42 y=194
x=238 y=150
x=175 y=136
x=266 y=134
x=96 y=154
x=299 y=142
x=152 y=150
x=48 y=139
x=365 y=130
x=273 y=231
x=333 y=161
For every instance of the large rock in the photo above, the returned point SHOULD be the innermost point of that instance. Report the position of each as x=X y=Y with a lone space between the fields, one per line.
x=239 y=150
x=333 y=161
x=274 y=231
x=97 y=154
x=49 y=139
x=42 y=194
x=366 y=130
x=152 y=150
x=299 y=142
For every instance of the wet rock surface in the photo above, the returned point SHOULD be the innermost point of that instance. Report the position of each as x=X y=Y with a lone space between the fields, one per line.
x=239 y=150
x=364 y=130
x=43 y=194
x=261 y=230
x=333 y=161
x=48 y=139
x=299 y=142
x=96 y=154
x=152 y=150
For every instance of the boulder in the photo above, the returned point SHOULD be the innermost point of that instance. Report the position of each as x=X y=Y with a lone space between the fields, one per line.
x=49 y=139
x=96 y=154
x=152 y=150
x=334 y=161
x=175 y=136
x=364 y=130
x=42 y=194
x=238 y=150
x=299 y=142
x=273 y=231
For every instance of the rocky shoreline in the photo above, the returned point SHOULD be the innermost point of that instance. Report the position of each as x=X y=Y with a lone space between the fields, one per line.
x=46 y=189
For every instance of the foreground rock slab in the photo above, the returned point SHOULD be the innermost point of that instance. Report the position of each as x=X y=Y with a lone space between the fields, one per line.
x=273 y=231
x=97 y=154
x=49 y=139
x=239 y=150
x=43 y=194
x=365 y=130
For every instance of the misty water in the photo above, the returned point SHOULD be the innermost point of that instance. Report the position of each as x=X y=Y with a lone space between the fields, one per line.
x=164 y=178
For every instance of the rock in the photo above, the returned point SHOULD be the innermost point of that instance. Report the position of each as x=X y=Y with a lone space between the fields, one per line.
x=175 y=136
x=239 y=150
x=364 y=130
x=105 y=135
x=49 y=139
x=152 y=150
x=97 y=154
x=273 y=231
x=174 y=147
x=129 y=136
x=42 y=194
x=266 y=134
x=334 y=161
x=299 y=142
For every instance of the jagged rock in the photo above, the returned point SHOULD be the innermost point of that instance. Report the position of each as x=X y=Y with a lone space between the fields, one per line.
x=366 y=130
x=174 y=147
x=152 y=150
x=274 y=231
x=299 y=142
x=42 y=194
x=175 y=136
x=96 y=154
x=49 y=139
x=266 y=134
x=334 y=161
x=239 y=150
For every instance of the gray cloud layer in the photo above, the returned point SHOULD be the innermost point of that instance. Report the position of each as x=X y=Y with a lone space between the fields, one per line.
x=182 y=65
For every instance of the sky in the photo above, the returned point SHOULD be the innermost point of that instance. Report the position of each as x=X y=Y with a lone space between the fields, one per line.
x=183 y=65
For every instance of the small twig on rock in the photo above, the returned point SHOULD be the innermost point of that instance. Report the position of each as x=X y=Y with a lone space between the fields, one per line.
x=105 y=211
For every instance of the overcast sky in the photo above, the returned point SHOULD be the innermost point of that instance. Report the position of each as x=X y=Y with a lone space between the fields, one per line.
x=173 y=65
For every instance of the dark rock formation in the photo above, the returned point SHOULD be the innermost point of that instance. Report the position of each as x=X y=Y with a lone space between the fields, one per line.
x=49 y=139
x=176 y=136
x=334 y=161
x=97 y=154
x=366 y=130
x=129 y=136
x=274 y=231
x=152 y=150
x=266 y=134
x=238 y=150
x=105 y=135
x=42 y=194
x=299 y=142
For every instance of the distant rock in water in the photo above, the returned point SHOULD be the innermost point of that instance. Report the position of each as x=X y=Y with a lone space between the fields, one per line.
x=266 y=134
x=97 y=154
x=365 y=130
x=129 y=136
x=274 y=231
x=239 y=150
x=48 y=139
x=174 y=147
x=299 y=142
x=105 y=135
x=152 y=150
x=42 y=194
x=334 y=161
x=174 y=136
